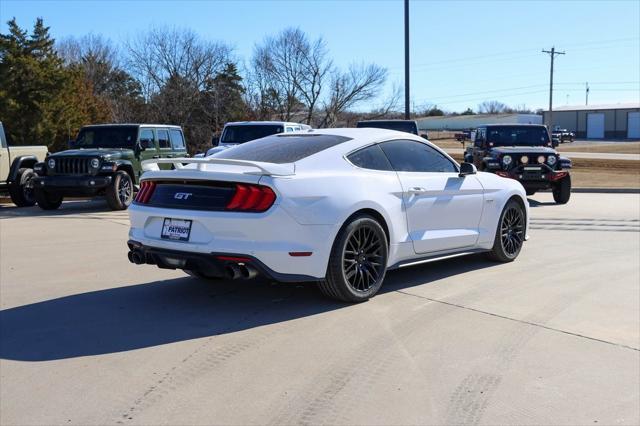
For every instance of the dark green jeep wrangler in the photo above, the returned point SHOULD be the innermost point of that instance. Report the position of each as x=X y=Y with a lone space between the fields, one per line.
x=104 y=160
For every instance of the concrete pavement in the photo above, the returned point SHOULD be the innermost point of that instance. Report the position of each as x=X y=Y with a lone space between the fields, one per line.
x=552 y=338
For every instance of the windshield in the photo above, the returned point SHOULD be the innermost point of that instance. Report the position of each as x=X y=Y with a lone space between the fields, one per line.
x=517 y=136
x=401 y=126
x=242 y=134
x=107 y=137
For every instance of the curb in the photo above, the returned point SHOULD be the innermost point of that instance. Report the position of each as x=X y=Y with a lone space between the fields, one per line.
x=606 y=190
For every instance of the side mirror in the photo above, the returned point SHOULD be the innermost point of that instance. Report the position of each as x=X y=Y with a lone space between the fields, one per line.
x=467 y=169
x=140 y=146
x=425 y=135
x=72 y=143
x=215 y=141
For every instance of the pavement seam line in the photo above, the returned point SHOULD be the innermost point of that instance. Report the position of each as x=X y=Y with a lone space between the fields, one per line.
x=519 y=321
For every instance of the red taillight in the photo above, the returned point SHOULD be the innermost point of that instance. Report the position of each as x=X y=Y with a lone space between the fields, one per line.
x=252 y=198
x=145 y=192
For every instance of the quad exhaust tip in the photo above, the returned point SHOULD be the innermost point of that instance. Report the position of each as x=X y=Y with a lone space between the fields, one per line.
x=240 y=271
x=136 y=257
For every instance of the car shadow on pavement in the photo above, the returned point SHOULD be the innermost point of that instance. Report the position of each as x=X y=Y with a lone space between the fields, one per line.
x=145 y=315
x=70 y=207
x=535 y=203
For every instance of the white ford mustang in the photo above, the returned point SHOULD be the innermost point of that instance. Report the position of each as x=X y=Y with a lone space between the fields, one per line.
x=336 y=206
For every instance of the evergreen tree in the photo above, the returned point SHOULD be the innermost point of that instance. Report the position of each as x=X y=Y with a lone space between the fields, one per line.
x=32 y=78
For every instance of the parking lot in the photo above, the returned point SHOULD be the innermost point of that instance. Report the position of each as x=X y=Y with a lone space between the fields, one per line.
x=552 y=338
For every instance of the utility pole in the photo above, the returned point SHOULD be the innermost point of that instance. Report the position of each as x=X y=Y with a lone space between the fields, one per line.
x=586 y=94
x=407 y=109
x=553 y=54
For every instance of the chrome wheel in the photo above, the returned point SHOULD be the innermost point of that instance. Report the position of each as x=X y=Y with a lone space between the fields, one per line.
x=27 y=190
x=125 y=190
x=362 y=262
x=512 y=231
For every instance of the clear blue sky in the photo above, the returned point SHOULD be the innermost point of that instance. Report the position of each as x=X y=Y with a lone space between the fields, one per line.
x=462 y=52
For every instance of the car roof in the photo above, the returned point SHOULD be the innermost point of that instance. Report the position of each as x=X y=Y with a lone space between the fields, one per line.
x=387 y=121
x=358 y=138
x=263 y=123
x=513 y=125
x=132 y=124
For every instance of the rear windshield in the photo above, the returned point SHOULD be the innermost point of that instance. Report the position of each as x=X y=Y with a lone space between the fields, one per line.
x=517 y=136
x=107 y=137
x=401 y=126
x=242 y=134
x=281 y=148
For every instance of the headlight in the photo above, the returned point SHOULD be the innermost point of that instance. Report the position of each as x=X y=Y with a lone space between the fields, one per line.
x=506 y=160
x=552 y=160
x=95 y=163
x=541 y=159
x=51 y=163
x=524 y=159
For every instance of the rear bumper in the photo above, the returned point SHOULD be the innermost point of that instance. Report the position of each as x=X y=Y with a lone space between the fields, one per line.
x=210 y=264
x=268 y=238
x=72 y=185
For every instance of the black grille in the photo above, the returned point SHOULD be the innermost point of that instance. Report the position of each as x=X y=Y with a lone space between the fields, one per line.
x=72 y=166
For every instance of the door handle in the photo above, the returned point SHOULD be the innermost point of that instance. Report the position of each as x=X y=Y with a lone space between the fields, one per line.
x=417 y=190
x=155 y=156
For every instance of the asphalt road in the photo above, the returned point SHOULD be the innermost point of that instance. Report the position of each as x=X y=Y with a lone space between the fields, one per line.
x=552 y=338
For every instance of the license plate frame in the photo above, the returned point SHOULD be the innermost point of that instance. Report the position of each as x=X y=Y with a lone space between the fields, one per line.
x=176 y=229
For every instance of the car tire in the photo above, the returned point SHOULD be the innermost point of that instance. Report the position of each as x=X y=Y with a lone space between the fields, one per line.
x=562 y=190
x=47 y=200
x=120 y=192
x=358 y=261
x=21 y=190
x=510 y=233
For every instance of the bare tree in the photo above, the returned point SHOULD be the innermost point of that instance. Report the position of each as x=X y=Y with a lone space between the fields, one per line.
x=165 y=53
x=175 y=68
x=358 y=84
x=491 y=107
x=99 y=61
x=289 y=72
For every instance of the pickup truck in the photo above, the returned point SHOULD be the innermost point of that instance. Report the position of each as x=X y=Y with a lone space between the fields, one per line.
x=16 y=170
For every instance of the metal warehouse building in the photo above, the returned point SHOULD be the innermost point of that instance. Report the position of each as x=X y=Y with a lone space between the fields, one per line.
x=462 y=122
x=615 y=121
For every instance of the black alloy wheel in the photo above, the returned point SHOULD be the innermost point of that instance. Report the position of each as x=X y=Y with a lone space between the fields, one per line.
x=362 y=259
x=358 y=261
x=512 y=231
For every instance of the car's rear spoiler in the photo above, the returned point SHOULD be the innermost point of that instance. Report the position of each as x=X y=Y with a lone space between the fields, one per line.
x=262 y=168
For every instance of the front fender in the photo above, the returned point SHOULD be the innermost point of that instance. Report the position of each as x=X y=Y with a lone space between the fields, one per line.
x=23 y=161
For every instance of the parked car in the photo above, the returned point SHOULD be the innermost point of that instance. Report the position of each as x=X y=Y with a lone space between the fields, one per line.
x=335 y=206
x=522 y=152
x=462 y=136
x=409 y=126
x=235 y=133
x=16 y=169
x=562 y=135
x=104 y=160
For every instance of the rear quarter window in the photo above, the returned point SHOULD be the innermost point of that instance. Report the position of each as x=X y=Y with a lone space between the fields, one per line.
x=282 y=148
x=371 y=158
